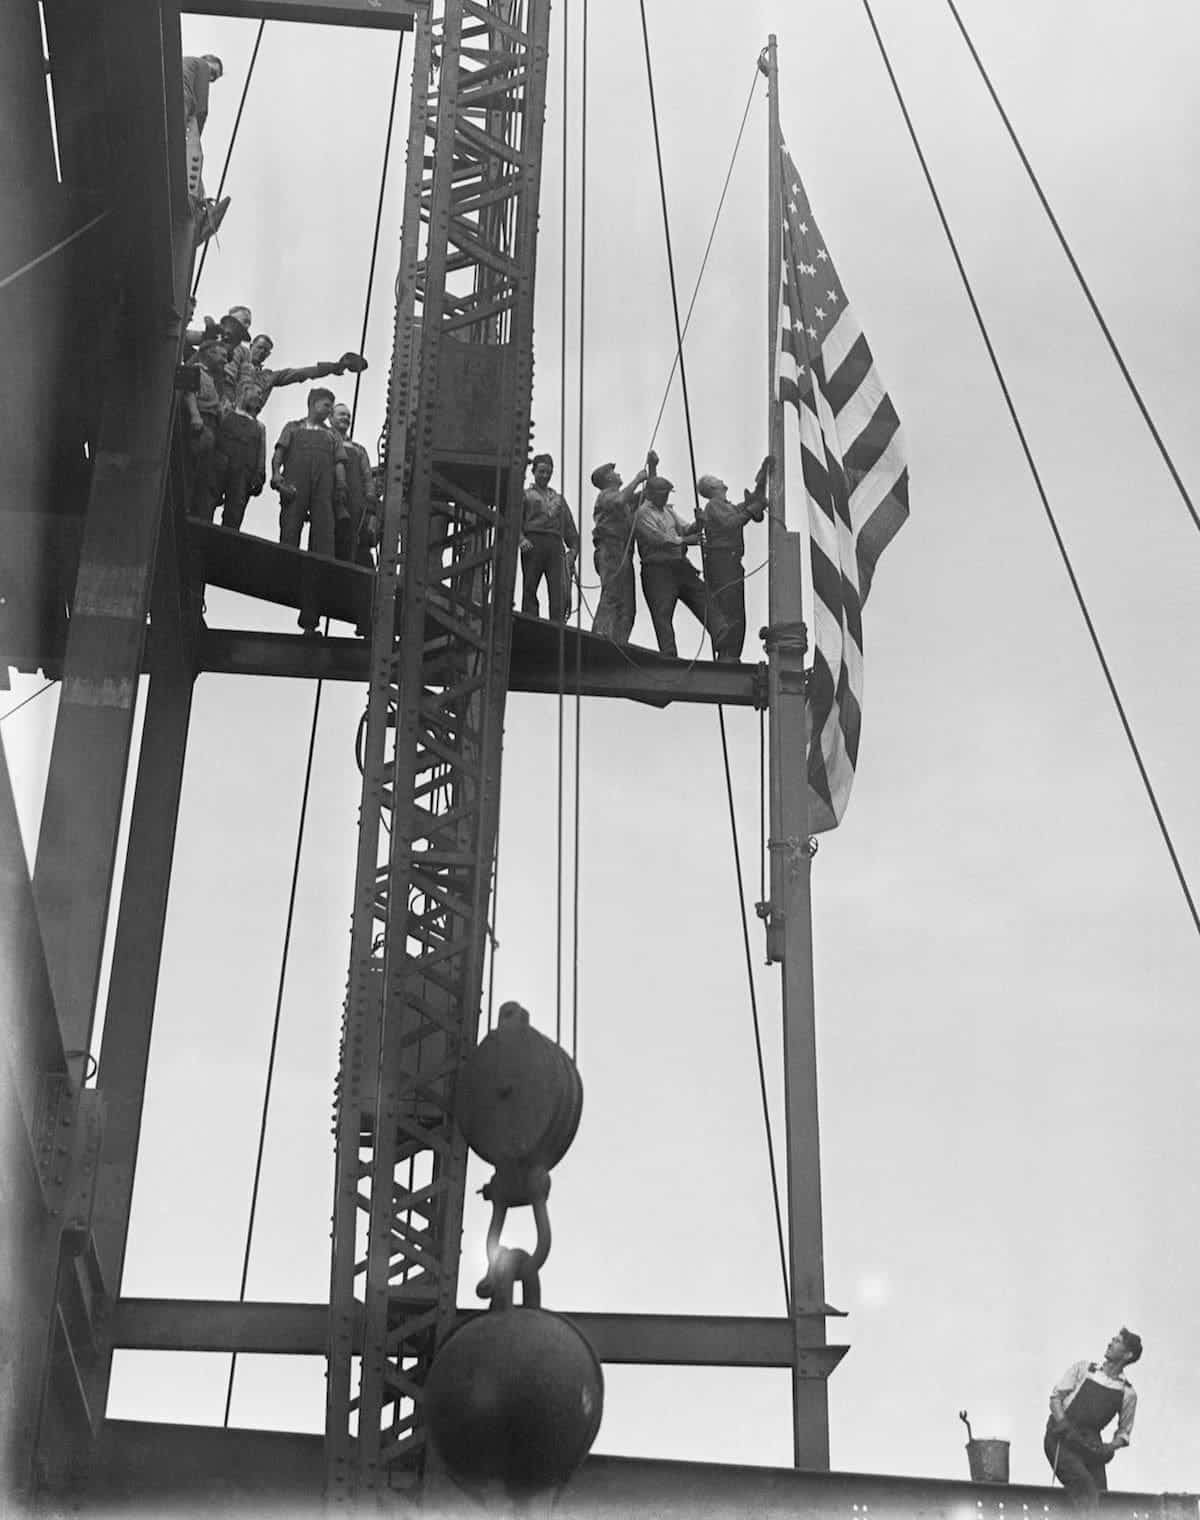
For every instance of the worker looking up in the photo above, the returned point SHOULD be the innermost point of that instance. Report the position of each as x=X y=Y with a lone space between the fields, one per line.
x=241 y=457
x=356 y=531
x=724 y=545
x=549 y=543
x=1082 y=1402
x=612 y=541
x=247 y=366
x=308 y=469
x=198 y=74
x=668 y=576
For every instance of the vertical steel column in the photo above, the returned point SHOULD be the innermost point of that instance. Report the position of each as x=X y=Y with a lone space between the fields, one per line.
x=790 y=927
x=421 y=898
x=85 y=788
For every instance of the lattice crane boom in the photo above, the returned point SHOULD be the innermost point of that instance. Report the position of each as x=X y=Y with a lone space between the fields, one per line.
x=457 y=442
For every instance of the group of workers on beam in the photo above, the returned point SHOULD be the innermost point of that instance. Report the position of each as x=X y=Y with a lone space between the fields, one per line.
x=641 y=514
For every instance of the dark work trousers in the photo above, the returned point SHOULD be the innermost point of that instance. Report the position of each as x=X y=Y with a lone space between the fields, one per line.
x=237 y=459
x=725 y=577
x=309 y=467
x=1080 y=1471
x=616 y=608
x=665 y=582
x=547 y=557
x=202 y=498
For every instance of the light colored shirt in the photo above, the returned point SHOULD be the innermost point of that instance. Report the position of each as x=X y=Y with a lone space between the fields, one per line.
x=660 y=532
x=1076 y=1375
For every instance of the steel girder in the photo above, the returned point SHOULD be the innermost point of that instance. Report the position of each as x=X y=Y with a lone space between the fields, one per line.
x=457 y=442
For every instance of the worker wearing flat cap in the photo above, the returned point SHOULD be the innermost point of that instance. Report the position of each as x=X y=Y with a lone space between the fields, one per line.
x=1084 y=1400
x=612 y=543
x=549 y=543
x=668 y=576
x=724 y=545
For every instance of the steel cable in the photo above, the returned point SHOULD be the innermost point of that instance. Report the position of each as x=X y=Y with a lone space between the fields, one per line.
x=1071 y=259
x=1037 y=479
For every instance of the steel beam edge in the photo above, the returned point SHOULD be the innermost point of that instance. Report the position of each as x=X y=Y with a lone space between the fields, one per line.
x=157 y=1324
x=243 y=652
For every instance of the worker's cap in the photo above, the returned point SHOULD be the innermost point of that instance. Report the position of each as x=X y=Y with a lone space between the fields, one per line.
x=707 y=484
x=240 y=315
x=659 y=487
x=601 y=473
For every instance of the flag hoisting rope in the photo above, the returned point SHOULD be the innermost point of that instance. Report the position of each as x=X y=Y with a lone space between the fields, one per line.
x=855 y=483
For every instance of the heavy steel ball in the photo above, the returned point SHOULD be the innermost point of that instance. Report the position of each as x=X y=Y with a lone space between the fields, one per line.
x=515 y=1394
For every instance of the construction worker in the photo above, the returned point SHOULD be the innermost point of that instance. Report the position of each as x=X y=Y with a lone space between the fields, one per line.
x=308 y=469
x=357 y=530
x=549 y=543
x=202 y=407
x=668 y=576
x=247 y=366
x=198 y=75
x=241 y=457
x=1083 y=1401
x=724 y=544
x=612 y=542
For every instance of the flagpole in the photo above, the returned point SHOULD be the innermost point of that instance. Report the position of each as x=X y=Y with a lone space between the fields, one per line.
x=789 y=924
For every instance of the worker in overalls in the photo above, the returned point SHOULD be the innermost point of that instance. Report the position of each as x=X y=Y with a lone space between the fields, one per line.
x=612 y=541
x=308 y=469
x=241 y=457
x=357 y=530
x=724 y=546
x=1089 y=1396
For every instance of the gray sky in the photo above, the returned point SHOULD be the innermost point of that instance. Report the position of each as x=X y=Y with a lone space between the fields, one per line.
x=1005 y=968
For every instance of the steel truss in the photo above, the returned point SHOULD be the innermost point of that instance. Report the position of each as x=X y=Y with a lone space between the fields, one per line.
x=457 y=442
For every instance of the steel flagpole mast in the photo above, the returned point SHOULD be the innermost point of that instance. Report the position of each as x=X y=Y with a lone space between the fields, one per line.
x=789 y=924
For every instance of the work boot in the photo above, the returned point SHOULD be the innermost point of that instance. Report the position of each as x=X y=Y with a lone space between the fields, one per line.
x=211 y=218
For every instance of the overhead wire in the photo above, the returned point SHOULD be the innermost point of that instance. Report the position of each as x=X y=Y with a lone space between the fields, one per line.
x=575 y=888
x=762 y=1079
x=562 y=452
x=237 y=121
x=1078 y=272
x=687 y=321
x=48 y=253
x=1037 y=480
x=308 y=768
x=25 y=701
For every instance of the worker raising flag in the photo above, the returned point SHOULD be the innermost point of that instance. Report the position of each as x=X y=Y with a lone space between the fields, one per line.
x=855 y=483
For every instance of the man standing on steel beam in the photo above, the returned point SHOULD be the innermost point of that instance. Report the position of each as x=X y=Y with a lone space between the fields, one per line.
x=355 y=531
x=308 y=469
x=668 y=576
x=1082 y=1402
x=724 y=545
x=549 y=543
x=612 y=539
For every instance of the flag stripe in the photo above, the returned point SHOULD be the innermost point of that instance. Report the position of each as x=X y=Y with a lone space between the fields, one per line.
x=855 y=486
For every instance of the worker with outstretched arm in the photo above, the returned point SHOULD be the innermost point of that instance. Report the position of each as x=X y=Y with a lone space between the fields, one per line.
x=1087 y=1397
x=248 y=366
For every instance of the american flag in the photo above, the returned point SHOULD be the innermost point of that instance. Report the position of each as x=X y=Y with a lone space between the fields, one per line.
x=855 y=483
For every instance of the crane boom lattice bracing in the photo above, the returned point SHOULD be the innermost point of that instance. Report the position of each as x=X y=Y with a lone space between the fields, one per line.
x=457 y=441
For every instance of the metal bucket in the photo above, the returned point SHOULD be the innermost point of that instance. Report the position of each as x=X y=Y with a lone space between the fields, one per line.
x=988 y=1460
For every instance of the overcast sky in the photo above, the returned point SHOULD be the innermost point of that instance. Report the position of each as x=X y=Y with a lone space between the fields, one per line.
x=1006 y=972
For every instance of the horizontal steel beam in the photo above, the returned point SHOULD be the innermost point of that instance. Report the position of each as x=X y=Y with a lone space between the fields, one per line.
x=392 y=15
x=151 y=1469
x=637 y=674
x=158 y=1324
